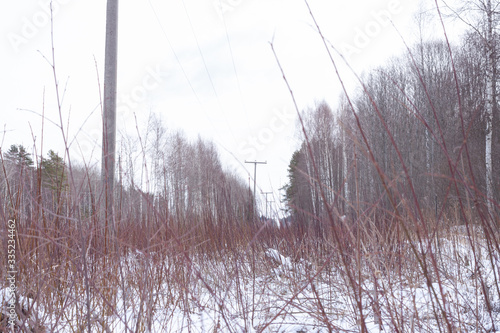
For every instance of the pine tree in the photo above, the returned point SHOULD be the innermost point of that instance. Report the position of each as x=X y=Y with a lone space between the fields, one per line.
x=18 y=156
x=54 y=172
x=291 y=187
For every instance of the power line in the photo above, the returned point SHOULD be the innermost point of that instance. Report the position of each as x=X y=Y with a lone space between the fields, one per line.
x=234 y=64
x=206 y=68
x=173 y=51
x=184 y=71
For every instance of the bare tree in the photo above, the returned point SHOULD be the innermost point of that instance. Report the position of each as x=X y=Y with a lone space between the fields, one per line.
x=482 y=16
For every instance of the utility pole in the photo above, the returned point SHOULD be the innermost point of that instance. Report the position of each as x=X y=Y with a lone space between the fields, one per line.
x=109 y=112
x=266 y=193
x=255 y=179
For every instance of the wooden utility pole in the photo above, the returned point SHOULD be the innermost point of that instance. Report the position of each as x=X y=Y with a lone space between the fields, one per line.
x=266 y=194
x=255 y=180
x=109 y=112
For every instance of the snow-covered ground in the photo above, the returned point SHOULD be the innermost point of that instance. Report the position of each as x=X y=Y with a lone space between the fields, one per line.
x=278 y=293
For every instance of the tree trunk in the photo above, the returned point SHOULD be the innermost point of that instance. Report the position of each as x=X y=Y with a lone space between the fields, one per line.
x=490 y=102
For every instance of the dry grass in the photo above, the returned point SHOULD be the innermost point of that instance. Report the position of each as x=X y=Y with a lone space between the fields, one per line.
x=382 y=269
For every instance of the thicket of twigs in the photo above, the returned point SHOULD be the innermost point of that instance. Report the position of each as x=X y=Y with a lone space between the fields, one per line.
x=188 y=255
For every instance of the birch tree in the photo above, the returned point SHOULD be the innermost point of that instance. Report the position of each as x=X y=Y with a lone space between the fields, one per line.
x=485 y=14
x=491 y=77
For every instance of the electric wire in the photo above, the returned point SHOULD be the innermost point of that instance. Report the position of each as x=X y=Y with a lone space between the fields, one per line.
x=234 y=64
x=206 y=68
x=185 y=74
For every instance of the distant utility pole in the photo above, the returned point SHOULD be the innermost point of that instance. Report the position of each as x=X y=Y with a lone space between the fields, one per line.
x=109 y=112
x=255 y=177
x=266 y=193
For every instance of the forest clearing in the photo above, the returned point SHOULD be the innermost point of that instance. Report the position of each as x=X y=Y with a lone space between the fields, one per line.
x=388 y=221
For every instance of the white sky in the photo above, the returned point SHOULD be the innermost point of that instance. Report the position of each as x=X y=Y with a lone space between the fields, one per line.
x=205 y=71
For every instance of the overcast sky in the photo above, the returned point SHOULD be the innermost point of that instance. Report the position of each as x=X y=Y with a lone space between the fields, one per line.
x=204 y=66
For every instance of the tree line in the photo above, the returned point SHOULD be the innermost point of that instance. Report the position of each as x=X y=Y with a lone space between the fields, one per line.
x=416 y=134
x=166 y=185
